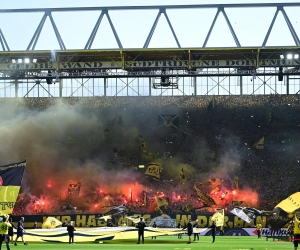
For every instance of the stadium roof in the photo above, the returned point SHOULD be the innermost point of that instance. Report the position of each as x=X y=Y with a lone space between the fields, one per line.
x=121 y=56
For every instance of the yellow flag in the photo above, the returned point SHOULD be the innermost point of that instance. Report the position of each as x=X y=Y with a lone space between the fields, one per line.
x=51 y=223
x=218 y=217
x=291 y=203
x=207 y=200
x=236 y=181
x=153 y=171
x=10 y=182
x=260 y=144
x=161 y=202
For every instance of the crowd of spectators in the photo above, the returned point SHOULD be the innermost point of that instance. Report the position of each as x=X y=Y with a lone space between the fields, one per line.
x=209 y=132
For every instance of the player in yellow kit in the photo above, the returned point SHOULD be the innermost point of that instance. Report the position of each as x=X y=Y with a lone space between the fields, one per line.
x=4 y=225
x=296 y=233
x=258 y=229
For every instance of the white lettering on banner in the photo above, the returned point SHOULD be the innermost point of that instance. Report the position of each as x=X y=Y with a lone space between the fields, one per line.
x=266 y=232
x=61 y=66
x=149 y=64
x=26 y=66
x=211 y=63
x=155 y=64
x=249 y=231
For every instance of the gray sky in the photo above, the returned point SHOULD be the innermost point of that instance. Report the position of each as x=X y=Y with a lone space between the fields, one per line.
x=191 y=25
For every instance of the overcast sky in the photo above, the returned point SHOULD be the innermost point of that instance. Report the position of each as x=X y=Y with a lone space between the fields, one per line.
x=191 y=25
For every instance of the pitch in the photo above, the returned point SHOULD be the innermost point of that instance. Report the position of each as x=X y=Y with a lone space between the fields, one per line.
x=172 y=243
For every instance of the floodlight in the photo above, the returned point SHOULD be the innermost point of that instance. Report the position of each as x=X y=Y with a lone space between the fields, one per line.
x=296 y=56
x=289 y=56
x=13 y=60
x=27 y=60
x=34 y=60
x=20 y=60
x=281 y=56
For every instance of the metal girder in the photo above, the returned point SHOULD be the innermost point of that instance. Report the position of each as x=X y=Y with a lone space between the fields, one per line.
x=37 y=33
x=3 y=42
x=82 y=85
x=153 y=29
x=173 y=32
x=270 y=28
x=152 y=7
x=145 y=74
x=221 y=9
x=94 y=32
x=289 y=24
x=231 y=29
x=59 y=39
x=211 y=28
x=37 y=84
x=293 y=32
x=161 y=9
x=114 y=31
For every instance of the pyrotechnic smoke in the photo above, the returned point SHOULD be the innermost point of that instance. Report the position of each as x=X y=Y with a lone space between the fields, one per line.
x=67 y=144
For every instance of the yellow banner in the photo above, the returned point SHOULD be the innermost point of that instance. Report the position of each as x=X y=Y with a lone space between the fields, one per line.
x=290 y=204
x=10 y=181
x=153 y=170
x=8 y=197
x=51 y=223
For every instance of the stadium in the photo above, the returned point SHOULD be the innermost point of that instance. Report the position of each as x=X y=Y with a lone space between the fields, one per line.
x=182 y=132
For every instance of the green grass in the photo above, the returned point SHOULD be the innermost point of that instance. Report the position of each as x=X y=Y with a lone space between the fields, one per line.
x=172 y=243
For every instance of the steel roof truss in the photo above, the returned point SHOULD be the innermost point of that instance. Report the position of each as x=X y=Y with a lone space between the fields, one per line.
x=270 y=28
x=211 y=28
x=289 y=24
x=3 y=42
x=114 y=31
x=94 y=32
x=231 y=29
x=37 y=33
x=152 y=29
x=58 y=37
x=171 y=27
